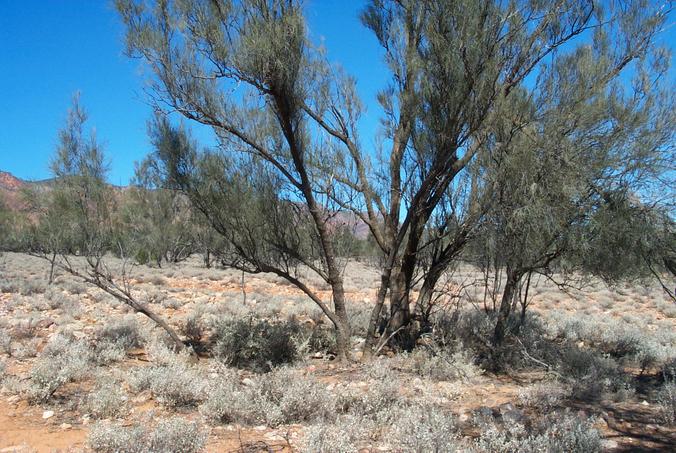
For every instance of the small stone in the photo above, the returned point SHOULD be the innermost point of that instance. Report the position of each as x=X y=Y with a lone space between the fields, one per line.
x=65 y=426
x=247 y=382
x=512 y=416
x=645 y=403
x=317 y=355
x=485 y=411
x=14 y=449
x=47 y=414
x=260 y=428
x=44 y=323
x=13 y=399
x=506 y=407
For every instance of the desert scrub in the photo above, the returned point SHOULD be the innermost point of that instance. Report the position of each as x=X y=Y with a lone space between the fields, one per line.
x=370 y=400
x=555 y=433
x=254 y=344
x=173 y=382
x=346 y=435
x=173 y=435
x=423 y=429
x=544 y=396
x=108 y=400
x=666 y=400
x=64 y=359
x=115 y=339
x=438 y=364
x=593 y=375
x=282 y=396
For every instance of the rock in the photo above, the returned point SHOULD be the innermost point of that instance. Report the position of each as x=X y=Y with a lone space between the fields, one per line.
x=645 y=403
x=506 y=408
x=260 y=428
x=13 y=399
x=317 y=355
x=512 y=416
x=248 y=382
x=14 y=449
x=484 y=411
x=47 y=414
x=44 y=323
x=65 y=426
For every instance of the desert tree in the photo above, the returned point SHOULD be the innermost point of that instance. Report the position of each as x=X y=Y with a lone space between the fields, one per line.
x=279 y=109
x=158 y=222
x=577 y=165
x=75 y=228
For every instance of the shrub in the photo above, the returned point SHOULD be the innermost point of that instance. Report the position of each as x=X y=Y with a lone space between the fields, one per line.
x=174 y=383
x=593 y=375
x=279 y=397
x=63 y=360
x=254 y=344
x=125 y=333
x=438 y=364
x=174 y=435
x=341 y=437
x=423 y=429
x=543 y=396
x=666 y=399
x=107 y=401
x=556 y=433
x=381 y=395
x=31 y=287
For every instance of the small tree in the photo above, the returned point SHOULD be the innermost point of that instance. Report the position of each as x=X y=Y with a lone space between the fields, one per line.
x=569 y=160
x=278 y=108
x=157 y=222
x=79 y=218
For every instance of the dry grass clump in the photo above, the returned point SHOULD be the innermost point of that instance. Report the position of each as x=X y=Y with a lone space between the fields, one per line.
x=64 y=359
x=107 y=400
x=666 y=399
x=171 y=379
x=555 y=433
x=172 y=435
x=439 y=364
x=280 y=397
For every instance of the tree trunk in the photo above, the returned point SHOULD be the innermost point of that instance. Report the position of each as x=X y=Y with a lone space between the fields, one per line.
x=52 y=263
x=400 y=311
x=505 y=307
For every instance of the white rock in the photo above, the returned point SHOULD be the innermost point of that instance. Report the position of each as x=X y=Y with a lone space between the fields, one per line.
x=47 y=414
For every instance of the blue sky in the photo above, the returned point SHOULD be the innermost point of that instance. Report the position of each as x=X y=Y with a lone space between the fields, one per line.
x=49 y=49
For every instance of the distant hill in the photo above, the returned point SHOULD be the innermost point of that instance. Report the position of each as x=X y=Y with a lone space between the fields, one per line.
x=11 y=188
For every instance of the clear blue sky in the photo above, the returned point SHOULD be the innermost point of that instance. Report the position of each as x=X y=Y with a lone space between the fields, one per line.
x=49 y=49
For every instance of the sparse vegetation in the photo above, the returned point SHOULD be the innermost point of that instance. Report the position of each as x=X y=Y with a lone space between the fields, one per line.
x=173 y=435
x=488 y=271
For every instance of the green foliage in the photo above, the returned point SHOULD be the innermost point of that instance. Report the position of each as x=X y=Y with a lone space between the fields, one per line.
x=255 y=344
